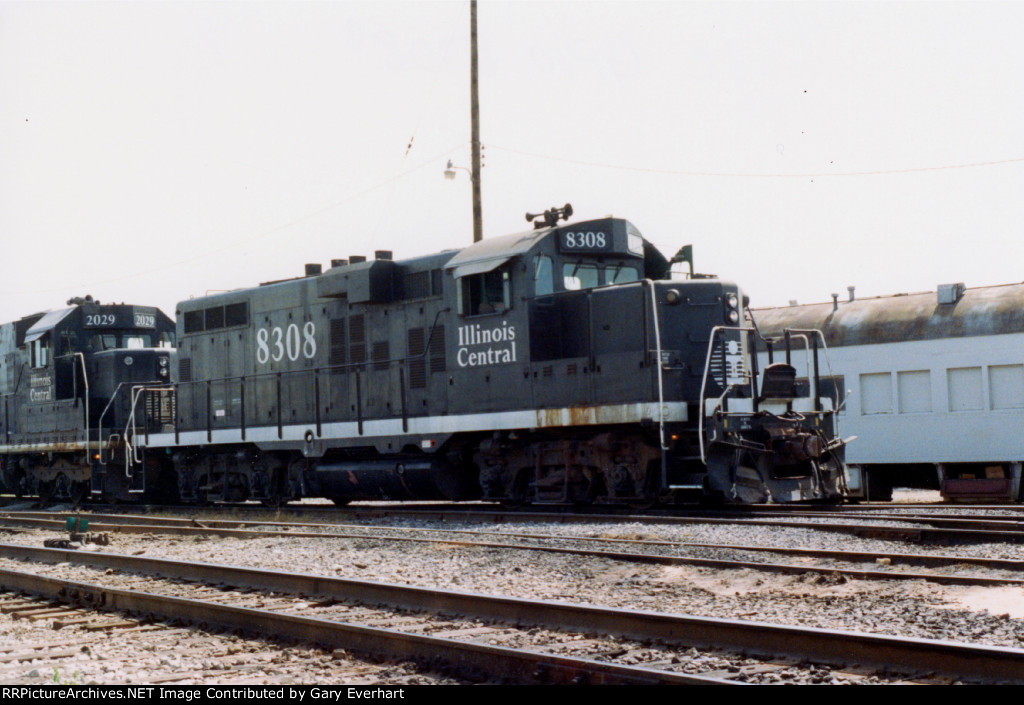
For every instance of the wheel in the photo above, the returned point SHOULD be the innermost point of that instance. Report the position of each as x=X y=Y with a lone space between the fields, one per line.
x=642 y=503
x=78 y=492
x=520 y=495
x=47 y=490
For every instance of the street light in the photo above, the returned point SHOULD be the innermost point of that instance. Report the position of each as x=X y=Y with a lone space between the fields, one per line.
x=449 y=171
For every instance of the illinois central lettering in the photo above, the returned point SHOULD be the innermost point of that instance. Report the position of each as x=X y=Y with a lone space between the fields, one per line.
x=480 y=346
x=40 y=388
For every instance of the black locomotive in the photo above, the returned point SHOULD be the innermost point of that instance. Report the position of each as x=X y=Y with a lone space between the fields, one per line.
x=70 y=382
x=557 y=365
x=554 y=366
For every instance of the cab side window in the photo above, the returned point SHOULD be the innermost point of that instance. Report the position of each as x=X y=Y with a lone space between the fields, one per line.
x=39 y=353
x=488 y=292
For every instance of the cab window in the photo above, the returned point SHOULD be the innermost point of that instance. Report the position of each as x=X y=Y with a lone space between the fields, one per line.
x=620 y=274
x=579 y=276
x=112 y=340
x=543 y=276
x=40 y=352
x=488 y=292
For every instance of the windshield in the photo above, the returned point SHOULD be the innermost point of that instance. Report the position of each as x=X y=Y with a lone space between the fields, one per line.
x=577 y=275
x=117 y=340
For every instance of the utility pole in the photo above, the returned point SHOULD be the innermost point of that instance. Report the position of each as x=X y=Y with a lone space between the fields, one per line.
x=474 y=100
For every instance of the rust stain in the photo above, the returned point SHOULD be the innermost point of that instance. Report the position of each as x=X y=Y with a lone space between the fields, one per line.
x=582 y=415
x=574 y=416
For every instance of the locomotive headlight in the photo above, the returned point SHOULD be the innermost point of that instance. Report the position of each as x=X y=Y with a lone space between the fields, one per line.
x=732 y=303
x=163 y=362
x=163 y=372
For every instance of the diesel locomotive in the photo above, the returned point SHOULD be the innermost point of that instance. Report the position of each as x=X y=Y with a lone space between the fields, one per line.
x=554 y=366
x=67 y=381
x=560 y=365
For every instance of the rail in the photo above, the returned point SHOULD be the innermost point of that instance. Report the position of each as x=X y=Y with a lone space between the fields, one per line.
x=902 y=654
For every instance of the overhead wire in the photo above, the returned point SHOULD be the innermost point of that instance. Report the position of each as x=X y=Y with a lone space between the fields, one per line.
x=258 y=236
x=624 y=167
x=759 y=175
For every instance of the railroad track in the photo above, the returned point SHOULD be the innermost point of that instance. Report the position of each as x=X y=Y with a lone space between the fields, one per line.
x=979 y=518
x=469 y=538
x=953 y=521
x=1009 y=532
x=78 y=645
x=314 y=506
x=490 y=637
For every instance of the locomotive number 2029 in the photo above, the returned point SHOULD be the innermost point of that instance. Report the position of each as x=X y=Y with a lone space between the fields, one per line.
x=93 y=320
x=275 y=343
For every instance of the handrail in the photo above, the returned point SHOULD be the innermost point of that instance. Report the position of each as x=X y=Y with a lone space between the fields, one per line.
x=836 y=403
x=790 y=333
x=704 y=381
x=331 y=368
x=130 y=449
x=85 y=379
x=99 y=427
x=661 y=372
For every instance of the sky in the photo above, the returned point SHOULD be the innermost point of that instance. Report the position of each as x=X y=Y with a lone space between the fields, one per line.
x=155 y=151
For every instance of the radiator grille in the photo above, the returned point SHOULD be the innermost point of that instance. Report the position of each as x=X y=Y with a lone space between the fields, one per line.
x=417 y=361
x=337 y=354
x=437 y=350
x=381 y=355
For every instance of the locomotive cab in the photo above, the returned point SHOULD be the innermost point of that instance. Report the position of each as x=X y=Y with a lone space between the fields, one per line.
x=67 y=392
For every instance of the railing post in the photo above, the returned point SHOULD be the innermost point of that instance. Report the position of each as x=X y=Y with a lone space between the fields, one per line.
x=280 y=427
x=241 y=380
x=359 y=401
x=316 y=400
x=401 y=384
x=177 y=410
x=209 y=416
